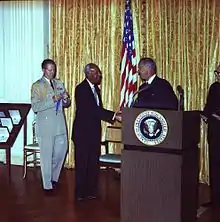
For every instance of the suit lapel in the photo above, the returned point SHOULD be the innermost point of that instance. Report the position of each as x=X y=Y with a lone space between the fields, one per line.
x=99 y=95
x=90 y=92
x=147 y=86
x=154 y=80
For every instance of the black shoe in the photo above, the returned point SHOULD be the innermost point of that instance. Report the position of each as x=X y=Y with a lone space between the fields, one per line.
x=55 y=184
x=49 y=192
x=207 y=204
x=92 y=197
x=79 y=199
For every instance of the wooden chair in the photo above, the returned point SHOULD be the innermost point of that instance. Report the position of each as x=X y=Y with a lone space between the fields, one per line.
x=110 y=160
x=31 y=153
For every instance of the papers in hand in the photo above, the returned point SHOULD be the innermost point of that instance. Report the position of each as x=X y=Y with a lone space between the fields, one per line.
x=7 y=122
x=15 y=116
x=3 y=134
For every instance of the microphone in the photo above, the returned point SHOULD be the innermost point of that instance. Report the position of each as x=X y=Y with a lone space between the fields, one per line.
x=137 y=92
x=181 y=98
x=180 y=90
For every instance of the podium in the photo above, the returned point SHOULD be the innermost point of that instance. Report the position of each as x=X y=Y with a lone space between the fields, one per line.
x=16 y=113
x=159 y=170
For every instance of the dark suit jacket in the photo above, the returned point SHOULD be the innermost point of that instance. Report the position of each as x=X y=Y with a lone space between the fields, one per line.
x=213 y=106
x=213 y=101
x=158 y=95
x=87 y=123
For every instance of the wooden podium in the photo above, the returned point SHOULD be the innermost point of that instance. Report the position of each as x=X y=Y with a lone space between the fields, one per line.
x=159 y=170
x=5 y=109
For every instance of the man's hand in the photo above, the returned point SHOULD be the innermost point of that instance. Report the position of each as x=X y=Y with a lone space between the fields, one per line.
x=56 y=98
x=65 y=95
x=118 y=116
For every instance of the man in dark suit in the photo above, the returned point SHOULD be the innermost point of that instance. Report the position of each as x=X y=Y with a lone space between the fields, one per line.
x=212 y=115
x=155 y=92
x=87 y=132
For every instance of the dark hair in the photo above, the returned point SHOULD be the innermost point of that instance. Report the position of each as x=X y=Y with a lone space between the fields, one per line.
x=149 y=62
x=90 y=66
x=46 y=62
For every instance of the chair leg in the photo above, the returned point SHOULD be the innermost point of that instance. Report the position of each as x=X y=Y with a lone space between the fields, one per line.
x=107 y=182
x=35 y=160
x=25 y=165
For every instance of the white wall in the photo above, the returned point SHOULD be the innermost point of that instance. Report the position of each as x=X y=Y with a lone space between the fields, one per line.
x=24 y=44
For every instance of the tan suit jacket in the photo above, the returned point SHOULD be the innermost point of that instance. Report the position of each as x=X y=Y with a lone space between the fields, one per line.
x=48 y=121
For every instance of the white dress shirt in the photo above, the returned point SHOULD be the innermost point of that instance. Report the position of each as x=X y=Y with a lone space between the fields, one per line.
x=92 y=86
x=150 y=80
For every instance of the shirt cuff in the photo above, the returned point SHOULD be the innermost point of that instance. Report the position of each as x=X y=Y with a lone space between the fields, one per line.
x=113 y=118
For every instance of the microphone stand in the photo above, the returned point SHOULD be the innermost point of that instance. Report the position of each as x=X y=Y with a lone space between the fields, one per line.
x=181 y=101
x=136 y=93
x=133 y=100
x=181 y=98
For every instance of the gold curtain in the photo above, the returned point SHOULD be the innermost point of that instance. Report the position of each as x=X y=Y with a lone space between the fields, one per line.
x=181 y=35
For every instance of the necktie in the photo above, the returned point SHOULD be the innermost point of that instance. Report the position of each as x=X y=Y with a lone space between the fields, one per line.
x=51 y=83
x=96 y=95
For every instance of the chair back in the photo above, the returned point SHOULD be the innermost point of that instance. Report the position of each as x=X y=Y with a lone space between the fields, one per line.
x=113 y=134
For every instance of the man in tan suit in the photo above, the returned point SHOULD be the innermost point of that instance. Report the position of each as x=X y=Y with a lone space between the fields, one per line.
x=48 y=98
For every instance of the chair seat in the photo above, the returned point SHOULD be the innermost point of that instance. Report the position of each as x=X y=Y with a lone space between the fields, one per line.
x=110 y=158
x=33 y=146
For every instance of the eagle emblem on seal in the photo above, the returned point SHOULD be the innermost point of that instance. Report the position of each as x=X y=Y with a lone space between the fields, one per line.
x=150 y=127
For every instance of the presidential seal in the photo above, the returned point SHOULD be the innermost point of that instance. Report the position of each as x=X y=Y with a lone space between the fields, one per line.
x=150 y=127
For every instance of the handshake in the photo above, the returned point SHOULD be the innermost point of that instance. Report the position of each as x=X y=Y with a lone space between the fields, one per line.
x=118 y=116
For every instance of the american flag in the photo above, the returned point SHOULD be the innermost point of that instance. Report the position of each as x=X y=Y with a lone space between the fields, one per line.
x=128 y=63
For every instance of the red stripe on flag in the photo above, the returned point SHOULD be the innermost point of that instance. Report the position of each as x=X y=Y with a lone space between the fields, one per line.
x=128 y=61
